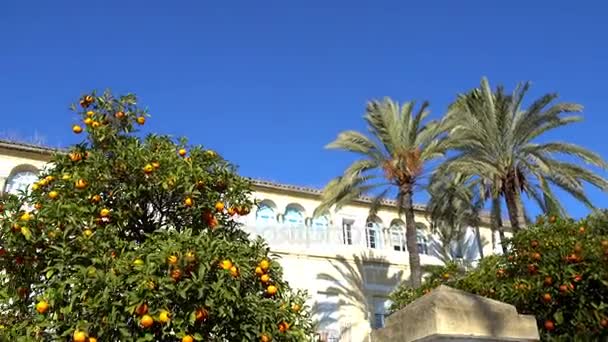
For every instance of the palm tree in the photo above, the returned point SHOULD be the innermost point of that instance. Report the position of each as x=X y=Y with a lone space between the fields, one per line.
x=392 y=159
x=454 y=205
x=497 y=141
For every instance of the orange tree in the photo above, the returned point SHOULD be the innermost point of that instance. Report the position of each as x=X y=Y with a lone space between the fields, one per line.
x=137 y=239
x=556 y=270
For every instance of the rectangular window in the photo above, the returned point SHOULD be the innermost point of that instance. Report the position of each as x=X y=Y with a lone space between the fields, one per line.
x=371 y=238
x=347 y=232
x=398 y=241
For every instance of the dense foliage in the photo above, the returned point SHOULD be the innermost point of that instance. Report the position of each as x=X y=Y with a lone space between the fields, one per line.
x=556 y=270
x=137 y=239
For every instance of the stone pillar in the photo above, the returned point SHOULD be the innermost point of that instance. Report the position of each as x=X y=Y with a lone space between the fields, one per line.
x=447 y=314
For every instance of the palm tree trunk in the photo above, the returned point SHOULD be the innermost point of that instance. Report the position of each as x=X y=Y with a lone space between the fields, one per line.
x=496 y=223
x=515 y=207
x=411 y=236
x=479 y=244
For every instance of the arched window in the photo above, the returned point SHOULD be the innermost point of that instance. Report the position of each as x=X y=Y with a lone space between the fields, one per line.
x=398 y=235
x=373 y=233
x=20 y=180
x=320 y=223
x=265 y=215
x=294 y=216
x=421 y=239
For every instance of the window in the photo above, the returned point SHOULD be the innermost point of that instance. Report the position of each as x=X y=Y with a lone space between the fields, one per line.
x=397 y=239
x=421 y=238
x=372 y=234
x=293 y=217
x=320 y=223
x=347 y=232
x=398 y=235
x=265 y=215
x=19 y=181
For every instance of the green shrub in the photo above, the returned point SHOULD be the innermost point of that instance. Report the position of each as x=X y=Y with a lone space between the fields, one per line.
x=136 y=239
x=556 y=270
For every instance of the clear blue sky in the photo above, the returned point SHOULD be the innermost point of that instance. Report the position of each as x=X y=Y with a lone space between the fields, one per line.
x=269 y=83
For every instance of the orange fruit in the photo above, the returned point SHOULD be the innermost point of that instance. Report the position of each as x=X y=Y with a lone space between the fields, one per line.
x=264 y=265
x=265 y=338
x=226 y=264
x=148 y=168
x=187 y=338
x=38 y=206
x=295 y=308
x=141 y=309
x=271 y=290
x=156 y=165
x=172 y=260
x=77 y=129
x=87 y=232
x=25 y=216
x=265 y=278
x=536 y=256
x=547 y=297
x=80 y=184
x=141 y=120
x=182 y=152
x=604 y=323
x=75 y=156
x=88 y=121
x=138 y=262
x=549 y=325
x=219 y=206
x=92 y=339
x=210 y=153
x=446 y=276
x=42 y=306
x=581 y=230
x=119 y=115
x=234 y=271
x=548 y=281
x=79 y=336
x=35 y=186
x=96 y=199
x=231 y=211
x=49 y=178
x=563 y=288
x=90 y=113
x=164 y=316
x=188 y=202
x=104 y=212
x=146 y=321
x=176 y=274
x=258 y=271
x=53 y=194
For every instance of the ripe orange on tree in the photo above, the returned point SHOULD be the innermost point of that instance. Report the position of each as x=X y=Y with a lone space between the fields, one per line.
x=265 y=278
x=188 y=202
x=187 y=338
x=226 y=264
x=146 y=321
x=42 y=307
x=201 y=314
x=141 y=309
x=265 y=338
x=234 y=271
x=172 y=260
x=77 y=129
x=79 y=336
x=141 y=120
x=271 y=290
x=549 y=325
x=53 y=194
x=164 y=316
x=258 y=271
x=182 y=152
x=80 y=184
x=119 y=115
x=264 y=265
x=219 y=206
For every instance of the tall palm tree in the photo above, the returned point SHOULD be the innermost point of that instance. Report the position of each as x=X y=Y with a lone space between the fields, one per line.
x=454 y=205
x=497 y=141
x=392 y=159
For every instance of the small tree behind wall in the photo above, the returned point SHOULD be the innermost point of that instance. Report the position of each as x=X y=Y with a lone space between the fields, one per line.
x=136 y=239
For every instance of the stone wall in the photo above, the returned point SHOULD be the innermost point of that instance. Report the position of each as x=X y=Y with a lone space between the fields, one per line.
x=447 y=314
